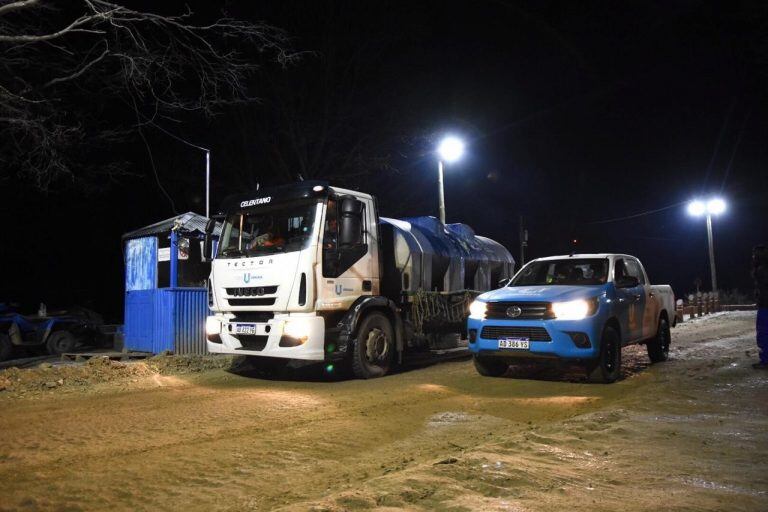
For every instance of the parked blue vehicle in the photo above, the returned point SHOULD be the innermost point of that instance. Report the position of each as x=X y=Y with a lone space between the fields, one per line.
x=578 y=309
x=53 y=333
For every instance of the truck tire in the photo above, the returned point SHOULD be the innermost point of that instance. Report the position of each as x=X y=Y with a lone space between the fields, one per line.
x=607 y=367
x=490 y=366
x=6 y=348
x=658 y=346
x=60 y=342
x=374 y=347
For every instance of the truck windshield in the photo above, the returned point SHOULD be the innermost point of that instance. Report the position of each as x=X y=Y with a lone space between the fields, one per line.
x=571 y=272
x=268 y=230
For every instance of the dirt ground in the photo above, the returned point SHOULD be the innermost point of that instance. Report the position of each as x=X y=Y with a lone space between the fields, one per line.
x=688 y=434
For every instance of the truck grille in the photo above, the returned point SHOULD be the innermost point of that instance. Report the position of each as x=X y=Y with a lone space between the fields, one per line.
x=494 y=332
x=250 y=342
x=253 y=316
x=528 y=310
x=270 y=301
x=251 y=291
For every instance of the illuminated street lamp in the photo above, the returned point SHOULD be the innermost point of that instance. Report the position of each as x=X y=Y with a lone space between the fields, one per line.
x=450 y=149
x=714 y=206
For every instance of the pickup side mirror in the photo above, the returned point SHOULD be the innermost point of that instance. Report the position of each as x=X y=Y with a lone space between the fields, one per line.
x=627 y=282
x=350 y=223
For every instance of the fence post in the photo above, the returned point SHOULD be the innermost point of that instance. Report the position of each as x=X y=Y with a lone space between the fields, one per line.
x=699 y=308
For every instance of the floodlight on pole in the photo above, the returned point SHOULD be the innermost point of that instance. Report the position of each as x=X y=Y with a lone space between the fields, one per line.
x=450 y=149
x=713 y=206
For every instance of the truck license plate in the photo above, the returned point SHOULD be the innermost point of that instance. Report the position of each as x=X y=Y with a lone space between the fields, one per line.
x=515 y=343
x=245 y=329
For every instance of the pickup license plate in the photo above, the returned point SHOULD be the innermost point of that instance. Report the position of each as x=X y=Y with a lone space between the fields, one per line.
x=245 y=328
x=515 y=343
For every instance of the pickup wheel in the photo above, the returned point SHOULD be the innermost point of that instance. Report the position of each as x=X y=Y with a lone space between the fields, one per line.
x=658 y=346
x=6 y=348
x=60 y=342
x=607 y=368
x=490 y=366
x=372 y=355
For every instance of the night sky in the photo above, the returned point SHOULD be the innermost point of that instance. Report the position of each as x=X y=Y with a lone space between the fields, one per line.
x=574 y=113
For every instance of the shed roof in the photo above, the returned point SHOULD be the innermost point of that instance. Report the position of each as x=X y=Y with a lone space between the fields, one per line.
x=189 y=223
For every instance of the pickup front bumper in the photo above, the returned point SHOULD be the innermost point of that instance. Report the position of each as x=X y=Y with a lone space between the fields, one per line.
x=548 y=339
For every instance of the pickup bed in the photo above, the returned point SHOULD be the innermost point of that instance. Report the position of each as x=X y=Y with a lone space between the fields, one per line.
x=579 y=309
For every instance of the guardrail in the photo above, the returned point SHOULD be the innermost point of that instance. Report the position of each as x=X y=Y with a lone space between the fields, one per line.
x=701 y=304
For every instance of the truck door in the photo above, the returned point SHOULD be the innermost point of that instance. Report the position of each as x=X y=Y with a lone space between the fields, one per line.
x=630 y=302
x=650 y=304
x=348 y=271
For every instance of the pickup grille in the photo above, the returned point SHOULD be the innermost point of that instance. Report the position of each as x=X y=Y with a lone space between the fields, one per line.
x=494 y=332
x=528 y=310
x=251 y=291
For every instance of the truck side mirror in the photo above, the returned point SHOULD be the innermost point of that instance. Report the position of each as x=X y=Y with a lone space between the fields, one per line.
x=351 y=222
x=208 y=240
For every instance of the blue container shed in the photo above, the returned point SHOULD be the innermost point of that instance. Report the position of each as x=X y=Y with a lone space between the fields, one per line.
x=166 y=298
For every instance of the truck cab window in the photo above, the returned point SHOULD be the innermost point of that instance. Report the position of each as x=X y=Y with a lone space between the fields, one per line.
x=634 y=270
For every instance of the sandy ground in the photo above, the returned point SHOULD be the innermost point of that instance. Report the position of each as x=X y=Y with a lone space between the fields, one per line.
x=688 y=434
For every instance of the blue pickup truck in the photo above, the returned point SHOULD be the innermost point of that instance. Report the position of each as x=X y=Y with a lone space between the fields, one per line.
x=579 y=309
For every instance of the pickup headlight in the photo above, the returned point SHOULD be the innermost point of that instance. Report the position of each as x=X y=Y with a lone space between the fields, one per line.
x=574 y=309
x=477 y=309
x=212 y=326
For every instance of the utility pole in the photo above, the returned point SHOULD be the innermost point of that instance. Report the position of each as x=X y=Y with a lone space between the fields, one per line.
x=711 y=253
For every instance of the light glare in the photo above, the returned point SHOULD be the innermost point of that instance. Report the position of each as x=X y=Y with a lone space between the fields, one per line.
x=716 y=206
x=696 y=208
x=451 y=149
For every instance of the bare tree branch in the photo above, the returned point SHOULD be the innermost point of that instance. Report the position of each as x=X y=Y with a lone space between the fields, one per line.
x=16 y=6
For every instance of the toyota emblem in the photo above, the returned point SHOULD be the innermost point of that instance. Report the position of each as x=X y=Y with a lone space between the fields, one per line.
x=514 y=311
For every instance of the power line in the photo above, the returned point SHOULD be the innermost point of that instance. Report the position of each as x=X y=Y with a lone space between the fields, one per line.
x=641 y=214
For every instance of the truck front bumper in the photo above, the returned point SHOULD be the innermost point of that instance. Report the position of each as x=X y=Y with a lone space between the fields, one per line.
x=289 y=336
x=548 y=339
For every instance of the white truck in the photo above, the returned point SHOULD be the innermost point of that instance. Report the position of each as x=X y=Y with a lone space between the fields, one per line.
x=310 y=272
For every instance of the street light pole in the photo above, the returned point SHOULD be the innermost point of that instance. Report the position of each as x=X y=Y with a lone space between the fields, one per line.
x=450 y=150
x=441 y=191
x=207 y=183
x=711 y=252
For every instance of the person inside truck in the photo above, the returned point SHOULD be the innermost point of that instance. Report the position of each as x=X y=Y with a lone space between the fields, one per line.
x=330 y=235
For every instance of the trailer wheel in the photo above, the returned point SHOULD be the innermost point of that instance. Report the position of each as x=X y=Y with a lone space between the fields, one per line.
x=607 y=367
x=375 y=345
x=490 y=366
x=6 y=348
x=60 y=342
x=658 y=347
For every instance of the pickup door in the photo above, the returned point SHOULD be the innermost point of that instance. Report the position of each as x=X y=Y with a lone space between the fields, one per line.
x=631 y=301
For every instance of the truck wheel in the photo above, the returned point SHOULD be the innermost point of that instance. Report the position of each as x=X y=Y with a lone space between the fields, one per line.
x=60 y=342
x=607 y=368
x=658 y=346
x=490 y=366
x=375 y=345
x=6 y=348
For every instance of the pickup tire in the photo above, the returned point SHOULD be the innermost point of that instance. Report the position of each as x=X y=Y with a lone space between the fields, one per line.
x=490 y=366
x=607 y=367
x=60 y=342
x=374 y=347
x=6 y=348
x=658 y=346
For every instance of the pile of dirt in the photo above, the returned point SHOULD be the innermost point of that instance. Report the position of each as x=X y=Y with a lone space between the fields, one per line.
x=167 y=364
x=48 y=377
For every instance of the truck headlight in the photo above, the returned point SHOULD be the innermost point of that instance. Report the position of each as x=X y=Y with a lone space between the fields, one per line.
x=574 y=309
x=298 y=330
x=212 y=326
x=477 y=309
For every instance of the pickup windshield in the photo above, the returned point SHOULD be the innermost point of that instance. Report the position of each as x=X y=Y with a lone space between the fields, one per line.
x=569 y=272
x=268 y=230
